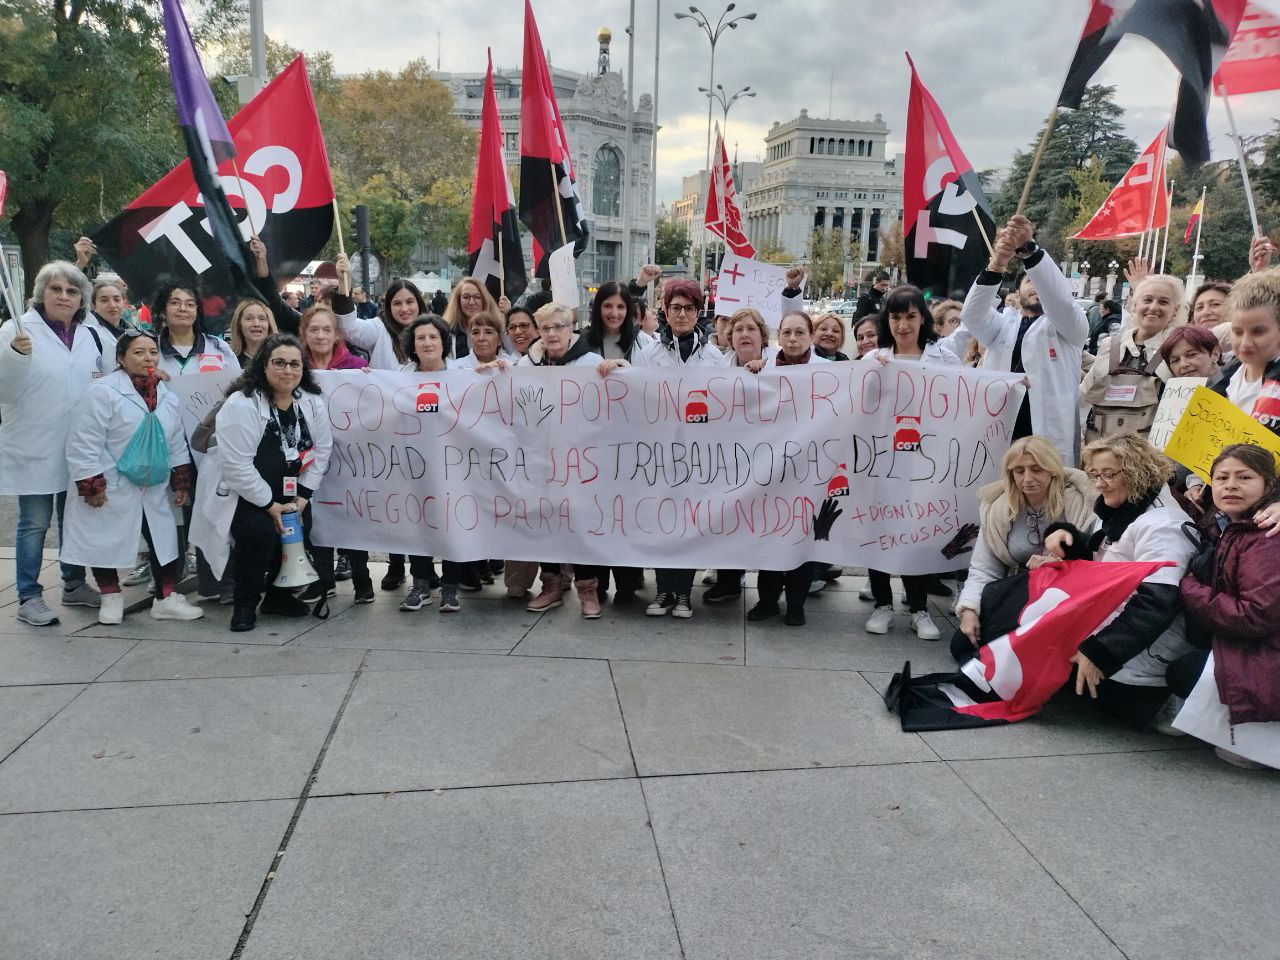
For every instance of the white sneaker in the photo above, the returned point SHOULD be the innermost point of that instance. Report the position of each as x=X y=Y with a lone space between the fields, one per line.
x=880 y=620
x=866 y=596
x=175 y=607
x=1233 y=758
x=924 y=626
x=112 y=609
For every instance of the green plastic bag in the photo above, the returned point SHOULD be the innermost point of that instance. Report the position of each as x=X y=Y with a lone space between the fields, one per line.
x=145 y=461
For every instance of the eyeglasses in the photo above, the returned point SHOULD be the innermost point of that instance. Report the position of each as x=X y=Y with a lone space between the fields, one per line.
x=554 y=327
x=1106 y=476
x=681 y=308
x=57 y=290
x=471 y=298
x=519 y=327
x=281 y=364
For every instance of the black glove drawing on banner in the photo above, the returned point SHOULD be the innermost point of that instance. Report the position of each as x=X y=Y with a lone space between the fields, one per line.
x=962 y=542
x=533 y=406
x=825 y=519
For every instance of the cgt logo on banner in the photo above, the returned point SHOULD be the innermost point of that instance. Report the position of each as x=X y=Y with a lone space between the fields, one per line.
x=716 y=465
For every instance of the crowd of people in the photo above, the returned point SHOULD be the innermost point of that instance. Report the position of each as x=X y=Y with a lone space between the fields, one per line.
x=91 y=440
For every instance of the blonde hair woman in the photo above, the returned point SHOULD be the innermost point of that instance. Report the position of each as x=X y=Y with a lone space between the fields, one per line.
x=1035 y=490
x=470 y=300
x=251 y=324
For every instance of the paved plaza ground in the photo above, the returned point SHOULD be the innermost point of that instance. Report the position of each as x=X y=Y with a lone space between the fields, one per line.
x=501 y=784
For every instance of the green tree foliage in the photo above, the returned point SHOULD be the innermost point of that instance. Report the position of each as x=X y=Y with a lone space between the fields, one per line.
x=826 y=259
x=87 y=118
x=1080 y=138
x=771 y=251
x=672 y=241
x=235 y=58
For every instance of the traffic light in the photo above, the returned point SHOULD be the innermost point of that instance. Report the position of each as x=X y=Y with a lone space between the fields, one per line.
x=360 y=226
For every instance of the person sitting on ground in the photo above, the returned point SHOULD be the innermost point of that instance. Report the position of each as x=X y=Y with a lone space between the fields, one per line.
x=1232 y=596
x=1035 y=491
x=119 y=492
x=1123 y=664
x=1123 y=386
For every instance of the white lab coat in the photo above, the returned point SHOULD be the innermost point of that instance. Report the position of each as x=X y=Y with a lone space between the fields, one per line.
x=659 y=354
x=239 y=428
x=37 y=396
x=371 y=336
x=209 y=354
x=104 y=422
x=935 y=353
x=1051 y=351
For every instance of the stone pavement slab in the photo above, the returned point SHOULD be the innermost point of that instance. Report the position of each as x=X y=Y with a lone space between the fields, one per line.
x=175 y=741
x=486 y=624
x=837 y=641
x=875 y=862
x=701 y=639
x=24 y=710
x=164 y=660
x=214 y=626
x=164 y=882
x=53 y=658
x=562 y=872
x=1174 y=854
x=698 y=719
x=466 y=720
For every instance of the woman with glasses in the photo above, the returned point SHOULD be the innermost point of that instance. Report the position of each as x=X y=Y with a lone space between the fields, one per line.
x=1123 y=665
x=518 y=575
x=48 y=358
x=128 y=461
x=559 y=346
x=1035 y=491
x=177 y=314
x=470 y=299
x=682 y=342
x=274 y=443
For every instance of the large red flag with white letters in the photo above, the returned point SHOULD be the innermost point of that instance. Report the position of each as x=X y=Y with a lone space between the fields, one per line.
x=284 y=189
x=723 y=218
x=1139 y=202
x=1032 y=625
x=942 y=201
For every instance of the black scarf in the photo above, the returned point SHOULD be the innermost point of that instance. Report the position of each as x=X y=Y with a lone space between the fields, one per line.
x=1116 y=520
x=687 y=344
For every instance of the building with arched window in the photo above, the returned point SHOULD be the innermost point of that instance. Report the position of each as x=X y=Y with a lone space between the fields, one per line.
x=593 y=106
x=824 y=174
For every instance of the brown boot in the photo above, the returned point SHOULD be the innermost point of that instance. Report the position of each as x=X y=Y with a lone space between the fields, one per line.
x=550 y=595
x=588 y=598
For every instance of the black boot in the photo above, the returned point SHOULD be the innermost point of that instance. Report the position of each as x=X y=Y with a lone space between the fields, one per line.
x=242 y=619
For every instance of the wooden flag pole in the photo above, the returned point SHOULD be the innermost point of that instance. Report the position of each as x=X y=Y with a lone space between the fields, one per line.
x=253 y=230
x=1035 y=160
x=555 y=193
x=977 y=218
x=337 y=225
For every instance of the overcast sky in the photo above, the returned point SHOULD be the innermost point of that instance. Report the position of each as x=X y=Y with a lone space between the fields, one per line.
x=995 y=66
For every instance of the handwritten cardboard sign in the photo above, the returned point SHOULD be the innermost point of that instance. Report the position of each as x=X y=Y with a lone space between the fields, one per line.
x=1209 y=423
x=749 y=283
x=1177 y=393
x=564 y=279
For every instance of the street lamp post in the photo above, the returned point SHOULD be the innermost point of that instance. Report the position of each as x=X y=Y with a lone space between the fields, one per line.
x=725 y=101
x=713 y=34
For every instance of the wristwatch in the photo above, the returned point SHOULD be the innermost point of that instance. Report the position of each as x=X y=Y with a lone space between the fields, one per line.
x=1027 y=249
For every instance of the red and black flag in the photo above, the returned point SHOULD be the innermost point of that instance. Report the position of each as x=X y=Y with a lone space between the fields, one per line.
x=549 y=203
x=1032 y=625
x=944 y=209
x=1193 y=34
x=723 y=218
x=496 y=259
x=287 y=196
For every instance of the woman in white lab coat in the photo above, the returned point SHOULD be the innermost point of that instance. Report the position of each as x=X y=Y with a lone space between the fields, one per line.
x=121 y=484
x=178 y=316
x=48 y=358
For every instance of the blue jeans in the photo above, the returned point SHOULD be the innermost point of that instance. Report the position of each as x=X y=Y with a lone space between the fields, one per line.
x=35 y=513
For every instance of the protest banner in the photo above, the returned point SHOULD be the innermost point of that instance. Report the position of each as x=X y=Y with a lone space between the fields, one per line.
x=198 y=394
x=1209 y=423
x=1177 y=393
x=748 y=283
x=857 y=463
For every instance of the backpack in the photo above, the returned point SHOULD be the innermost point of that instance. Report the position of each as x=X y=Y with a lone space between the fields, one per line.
x=1126 y=400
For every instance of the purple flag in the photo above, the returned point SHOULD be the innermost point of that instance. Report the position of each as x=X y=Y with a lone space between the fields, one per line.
x=197 y=110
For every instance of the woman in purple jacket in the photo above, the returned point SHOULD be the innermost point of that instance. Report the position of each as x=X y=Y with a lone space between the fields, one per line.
x=1232 y=593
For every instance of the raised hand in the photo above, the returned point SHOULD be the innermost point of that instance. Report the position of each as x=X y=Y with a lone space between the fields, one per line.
x=648 y=273
x=85 y=249
x=795 y=278
x=1136 y=272
x=1261 y=250
x=533 y=406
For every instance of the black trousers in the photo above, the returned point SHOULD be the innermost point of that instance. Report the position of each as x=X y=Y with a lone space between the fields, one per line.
x=256 y=560
x=916 y=589
x=679 y=582
x=1184 y=673
x=772 y=583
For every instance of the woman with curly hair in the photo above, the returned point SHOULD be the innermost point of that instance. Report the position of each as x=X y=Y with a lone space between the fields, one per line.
x=1123 y=664
x=469 y=300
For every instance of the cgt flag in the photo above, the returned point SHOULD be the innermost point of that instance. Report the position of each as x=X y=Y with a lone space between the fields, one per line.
x=496 y=259
x=1252 y=63
x=549 y=203
x=1138 y=202
x=943 y=202
x=723 y=218
x=286 y=191
x=1032 y=624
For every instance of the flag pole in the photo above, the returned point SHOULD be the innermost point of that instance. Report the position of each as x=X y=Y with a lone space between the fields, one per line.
x=502 y=267
x=555 y=194
x=337 y=225
x=983 y=230
x=10 y=292
x=1168 y=217
x=1244 y=166
x=1035 y=160
x=1195 y=259
x=253 y=231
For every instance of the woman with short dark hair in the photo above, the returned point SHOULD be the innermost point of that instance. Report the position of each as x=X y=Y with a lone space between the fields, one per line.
x=177 y=315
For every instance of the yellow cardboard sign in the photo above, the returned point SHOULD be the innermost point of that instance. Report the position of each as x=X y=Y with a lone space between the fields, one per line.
x=1212 y=422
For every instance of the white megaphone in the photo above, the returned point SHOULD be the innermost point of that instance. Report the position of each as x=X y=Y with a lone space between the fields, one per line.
x=295 y=568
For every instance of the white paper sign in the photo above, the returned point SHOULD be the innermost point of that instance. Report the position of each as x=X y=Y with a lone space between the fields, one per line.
x=748 y=283
x=1177 y=393
x=564 y=281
